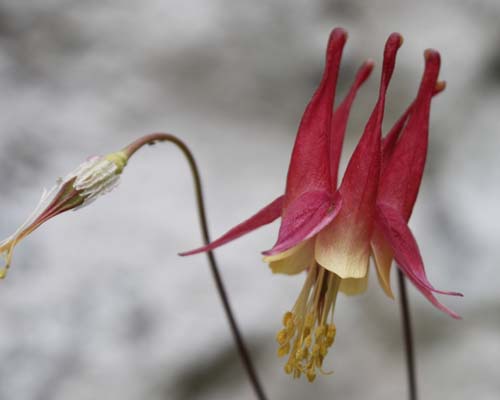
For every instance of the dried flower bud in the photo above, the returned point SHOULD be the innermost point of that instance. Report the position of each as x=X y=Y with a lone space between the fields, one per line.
x=96 y=176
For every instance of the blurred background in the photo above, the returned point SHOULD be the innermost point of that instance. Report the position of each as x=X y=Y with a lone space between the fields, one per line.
x=98 y=304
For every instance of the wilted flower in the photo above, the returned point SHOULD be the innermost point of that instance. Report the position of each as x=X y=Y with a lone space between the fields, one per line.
x=331 y=231
x=96 y=176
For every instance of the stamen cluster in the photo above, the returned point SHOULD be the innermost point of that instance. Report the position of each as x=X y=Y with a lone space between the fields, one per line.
x=306 y=334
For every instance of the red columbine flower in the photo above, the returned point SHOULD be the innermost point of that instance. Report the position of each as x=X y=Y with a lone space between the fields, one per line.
x=331 y=231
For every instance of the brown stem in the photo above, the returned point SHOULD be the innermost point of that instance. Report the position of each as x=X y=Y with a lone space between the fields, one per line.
x=408 y=338
x=238 y=338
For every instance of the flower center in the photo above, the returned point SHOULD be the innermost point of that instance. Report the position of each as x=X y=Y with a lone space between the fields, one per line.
x=309 y=330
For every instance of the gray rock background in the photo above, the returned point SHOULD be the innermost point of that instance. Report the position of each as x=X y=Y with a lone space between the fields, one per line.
x=99 y=306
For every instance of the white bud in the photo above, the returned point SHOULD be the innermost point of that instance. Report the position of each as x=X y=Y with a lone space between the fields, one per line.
x=95 y=177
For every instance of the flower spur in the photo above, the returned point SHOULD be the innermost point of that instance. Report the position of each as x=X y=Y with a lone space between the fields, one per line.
x=331 y=232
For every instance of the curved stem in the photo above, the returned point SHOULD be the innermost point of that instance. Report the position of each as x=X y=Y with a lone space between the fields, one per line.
x=408 y=338
x=238 y=338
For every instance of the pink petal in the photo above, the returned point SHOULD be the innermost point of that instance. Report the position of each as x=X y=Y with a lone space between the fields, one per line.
x=390 y=140
x=397 y=233
x=360 y=182
x=402 y=176
x=429 y=296
x=364 y=164
x=306 y=216
x=263 y=217
x=340 y=118
x=309 y=165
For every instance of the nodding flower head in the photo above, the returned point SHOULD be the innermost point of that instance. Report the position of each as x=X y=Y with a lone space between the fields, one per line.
x=96 y=176
x=330 y=228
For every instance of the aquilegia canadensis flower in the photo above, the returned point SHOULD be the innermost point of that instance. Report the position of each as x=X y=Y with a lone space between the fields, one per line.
x=330 y=230
x=96 y=176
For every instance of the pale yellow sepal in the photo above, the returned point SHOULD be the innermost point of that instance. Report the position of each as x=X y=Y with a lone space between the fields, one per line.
x=292 y=261
x=343 y=250
x=382 y=254
x=353 y=286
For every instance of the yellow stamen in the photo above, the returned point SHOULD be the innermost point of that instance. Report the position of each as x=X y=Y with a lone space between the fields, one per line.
x=282 y=337
x=306 y=335
x=284 y=350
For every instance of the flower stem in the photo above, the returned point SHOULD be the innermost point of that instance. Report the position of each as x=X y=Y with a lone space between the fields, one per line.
x=238 y=338
x=408 y=338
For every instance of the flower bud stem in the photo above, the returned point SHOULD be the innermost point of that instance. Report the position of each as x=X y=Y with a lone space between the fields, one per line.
x=238 y=338
x=408 y=338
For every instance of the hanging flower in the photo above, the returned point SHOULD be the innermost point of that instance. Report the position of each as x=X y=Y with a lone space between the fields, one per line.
x=330 y=230
x=96 y=176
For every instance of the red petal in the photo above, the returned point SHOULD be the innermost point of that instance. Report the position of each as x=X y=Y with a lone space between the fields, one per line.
x=429 y=296
x=263 y=217
x=309 y=165
x=402 y=176
x=307 y=215
x=360 y=182
x=340 y=118
x=390 y=140
x=397 y=233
